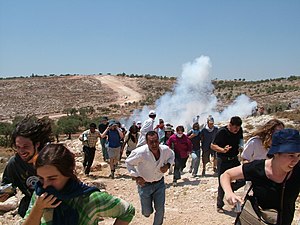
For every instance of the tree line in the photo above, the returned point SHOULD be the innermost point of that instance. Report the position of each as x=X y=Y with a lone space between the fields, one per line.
x=66 y=125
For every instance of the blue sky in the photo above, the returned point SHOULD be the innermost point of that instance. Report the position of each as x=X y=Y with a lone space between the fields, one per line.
x=254 y=39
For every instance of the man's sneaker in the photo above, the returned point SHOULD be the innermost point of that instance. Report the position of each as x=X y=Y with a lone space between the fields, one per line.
x=175 y=183
x=194 y=175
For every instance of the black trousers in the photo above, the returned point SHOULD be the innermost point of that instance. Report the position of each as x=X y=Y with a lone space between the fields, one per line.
x=224 y=164
x=89 y=155
x=180 y=164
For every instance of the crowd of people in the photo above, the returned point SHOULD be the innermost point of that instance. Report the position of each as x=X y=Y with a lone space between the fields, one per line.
x=53 y=194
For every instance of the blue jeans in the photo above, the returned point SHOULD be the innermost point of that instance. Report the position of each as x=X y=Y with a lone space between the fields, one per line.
x=153 y=192
x=103 y=148
x=195 y=161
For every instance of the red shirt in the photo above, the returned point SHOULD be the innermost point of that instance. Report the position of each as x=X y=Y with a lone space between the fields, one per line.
x=182 y=146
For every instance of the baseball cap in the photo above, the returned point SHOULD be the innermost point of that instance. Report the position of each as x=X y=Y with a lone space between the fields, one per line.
x=152 y=113
x=112 y=122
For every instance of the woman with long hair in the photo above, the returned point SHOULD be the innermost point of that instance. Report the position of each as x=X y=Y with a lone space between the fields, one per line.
x=61 y=198
x=258 y=145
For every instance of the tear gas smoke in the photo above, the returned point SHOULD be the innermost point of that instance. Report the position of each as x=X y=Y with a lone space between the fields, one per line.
x=193 y=95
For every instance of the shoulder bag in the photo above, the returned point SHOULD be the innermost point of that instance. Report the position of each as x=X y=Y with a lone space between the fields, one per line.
x=253 y=214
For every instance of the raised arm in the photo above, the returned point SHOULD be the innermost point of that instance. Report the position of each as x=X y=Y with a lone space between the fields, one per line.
x=217 y=148
x=37 y=206
x=104 y=133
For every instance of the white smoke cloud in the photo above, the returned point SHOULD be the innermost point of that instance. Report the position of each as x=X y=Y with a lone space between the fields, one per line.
x=242 y=106
x=193 y=95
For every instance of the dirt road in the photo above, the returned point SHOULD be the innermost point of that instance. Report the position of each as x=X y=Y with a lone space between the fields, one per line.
x=126 y=94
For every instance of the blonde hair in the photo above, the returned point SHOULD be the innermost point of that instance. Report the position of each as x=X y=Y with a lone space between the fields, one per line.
x=266 y=131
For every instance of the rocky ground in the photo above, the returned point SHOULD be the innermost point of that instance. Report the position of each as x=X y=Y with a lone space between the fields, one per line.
x=192 y=202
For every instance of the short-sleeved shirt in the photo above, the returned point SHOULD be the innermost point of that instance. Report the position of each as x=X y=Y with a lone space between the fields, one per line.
x=268 y=192
x=21 y=175
x=254 y=150
x=102 y=127
x=195 y=140
x=114 y=140
x=225 y=137
x=130 y=145
x=92 y=138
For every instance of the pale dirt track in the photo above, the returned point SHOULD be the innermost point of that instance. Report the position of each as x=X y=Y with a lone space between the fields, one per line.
x=126 y=94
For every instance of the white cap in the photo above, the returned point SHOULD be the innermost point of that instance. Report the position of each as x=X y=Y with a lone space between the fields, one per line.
x=152 y=113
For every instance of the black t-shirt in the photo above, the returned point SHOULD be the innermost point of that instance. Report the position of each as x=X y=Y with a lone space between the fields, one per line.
x=21 y=175
x=268 y=192
x=225 y=137
x=102 y=127
x=195 y=141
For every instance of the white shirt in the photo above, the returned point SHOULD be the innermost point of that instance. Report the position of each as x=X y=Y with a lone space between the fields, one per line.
x=142 y=163
x=254 y=150
x=147 y=126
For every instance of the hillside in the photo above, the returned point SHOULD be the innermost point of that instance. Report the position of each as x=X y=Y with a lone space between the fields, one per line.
x=118 y=96
x=54 y=95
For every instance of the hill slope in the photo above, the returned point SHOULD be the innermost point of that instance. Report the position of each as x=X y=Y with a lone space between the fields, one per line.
x=119 y=95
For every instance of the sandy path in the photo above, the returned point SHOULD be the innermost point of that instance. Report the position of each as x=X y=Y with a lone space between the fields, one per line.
x=126 y=94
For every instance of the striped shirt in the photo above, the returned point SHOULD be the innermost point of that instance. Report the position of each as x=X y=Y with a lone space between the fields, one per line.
x=91 y=208
x=90 y=139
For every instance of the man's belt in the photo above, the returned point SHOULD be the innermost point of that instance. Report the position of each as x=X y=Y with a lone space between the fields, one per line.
x=154 y=182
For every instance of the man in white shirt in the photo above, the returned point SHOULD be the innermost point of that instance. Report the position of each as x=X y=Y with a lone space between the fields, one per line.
x=147 y=126
x=147 y=165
